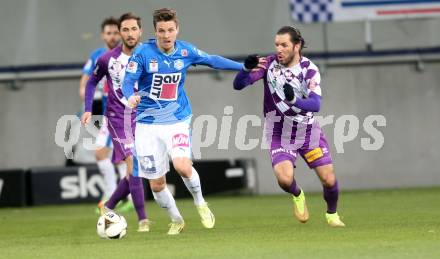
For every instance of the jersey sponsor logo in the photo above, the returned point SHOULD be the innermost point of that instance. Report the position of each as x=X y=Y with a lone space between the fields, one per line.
x=153 y=66
x=164 y=86
x=132 y=67
x=283 y=150
x=148 y=164
x=178 y=64
x=180 y=140
x=184 y=52
x=313 y=155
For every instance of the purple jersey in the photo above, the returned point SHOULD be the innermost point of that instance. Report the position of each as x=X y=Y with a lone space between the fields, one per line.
x=121 y=122
x=289 y=130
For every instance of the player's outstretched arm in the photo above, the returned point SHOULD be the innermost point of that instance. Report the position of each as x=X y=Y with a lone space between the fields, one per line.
x=213 y=61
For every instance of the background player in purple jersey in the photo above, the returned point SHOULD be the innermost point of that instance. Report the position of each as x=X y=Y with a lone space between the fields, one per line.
x=110 y=36
x=292 y=93
x=120 y=118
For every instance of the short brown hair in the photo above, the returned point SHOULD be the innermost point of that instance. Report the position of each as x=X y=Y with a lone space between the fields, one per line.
x=129 y=16
x=164 y=15
x=109 y=21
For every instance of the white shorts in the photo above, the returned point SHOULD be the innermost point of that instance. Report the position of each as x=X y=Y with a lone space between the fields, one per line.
x=156 y=143
x=104 y=139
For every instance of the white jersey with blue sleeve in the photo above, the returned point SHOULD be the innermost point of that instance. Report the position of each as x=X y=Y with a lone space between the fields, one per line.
x=161 y=79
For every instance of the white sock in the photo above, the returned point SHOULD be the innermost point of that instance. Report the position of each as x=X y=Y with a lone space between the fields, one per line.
x=108 y=171
x=122 y=170
x=194 y=187
x=166 y=201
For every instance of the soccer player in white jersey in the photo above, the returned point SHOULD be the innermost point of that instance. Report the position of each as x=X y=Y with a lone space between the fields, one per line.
x=110 y=36
x=120 y=118
x=292 y=93
x=164 y=113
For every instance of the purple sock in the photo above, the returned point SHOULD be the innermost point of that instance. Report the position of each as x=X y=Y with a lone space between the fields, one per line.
x=120 y=193
x=294 y=189
x=137 y=194
x=331 y=197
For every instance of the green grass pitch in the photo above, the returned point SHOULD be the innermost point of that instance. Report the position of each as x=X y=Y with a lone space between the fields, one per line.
x=380 y=224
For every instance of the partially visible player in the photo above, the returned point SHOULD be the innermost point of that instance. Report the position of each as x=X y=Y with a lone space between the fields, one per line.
x=120 y=118
x=164 y=113
x=110 y=36
x=292 y=93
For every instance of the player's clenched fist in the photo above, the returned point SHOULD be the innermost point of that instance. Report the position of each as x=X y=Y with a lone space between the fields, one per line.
x=288 y=92
x=133 y=101
x=251 y=62
x=254 y=63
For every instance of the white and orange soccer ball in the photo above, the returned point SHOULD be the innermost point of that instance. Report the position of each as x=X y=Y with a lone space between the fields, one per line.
x=111 y=225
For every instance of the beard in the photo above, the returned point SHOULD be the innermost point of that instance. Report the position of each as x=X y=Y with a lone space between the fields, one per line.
x=131 y=45
x=288 y=60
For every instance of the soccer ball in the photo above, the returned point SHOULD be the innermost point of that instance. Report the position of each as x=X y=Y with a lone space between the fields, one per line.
x=111 y=225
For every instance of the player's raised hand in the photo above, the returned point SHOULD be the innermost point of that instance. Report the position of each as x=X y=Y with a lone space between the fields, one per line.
x=288 y=92
x=86 y=117
x=251 y=62
x=134 y=101
x=312 y=84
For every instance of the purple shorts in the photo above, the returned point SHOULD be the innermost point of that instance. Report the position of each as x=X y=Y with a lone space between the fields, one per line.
x=122 y=138
x=307 y=140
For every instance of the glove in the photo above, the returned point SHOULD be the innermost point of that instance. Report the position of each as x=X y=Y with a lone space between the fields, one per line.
x=288 y=92
x=251 y=62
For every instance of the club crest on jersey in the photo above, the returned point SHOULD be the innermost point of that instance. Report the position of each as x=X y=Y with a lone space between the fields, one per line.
x=178 y=64
x=116 y=66
x=180 y=140
x=153 y=66
x=164 y=86
x=132 y=67
x=184 y=52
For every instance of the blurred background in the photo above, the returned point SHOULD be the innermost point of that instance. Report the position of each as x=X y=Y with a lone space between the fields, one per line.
x=384 y=62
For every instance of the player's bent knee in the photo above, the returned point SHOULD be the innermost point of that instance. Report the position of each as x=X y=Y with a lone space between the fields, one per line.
x=183 y=166
x=157 y=185
x=328 y=179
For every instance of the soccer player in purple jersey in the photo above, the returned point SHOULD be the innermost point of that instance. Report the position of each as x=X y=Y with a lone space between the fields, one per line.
x=292 y=93
x=120 y=117
x=110 y=36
